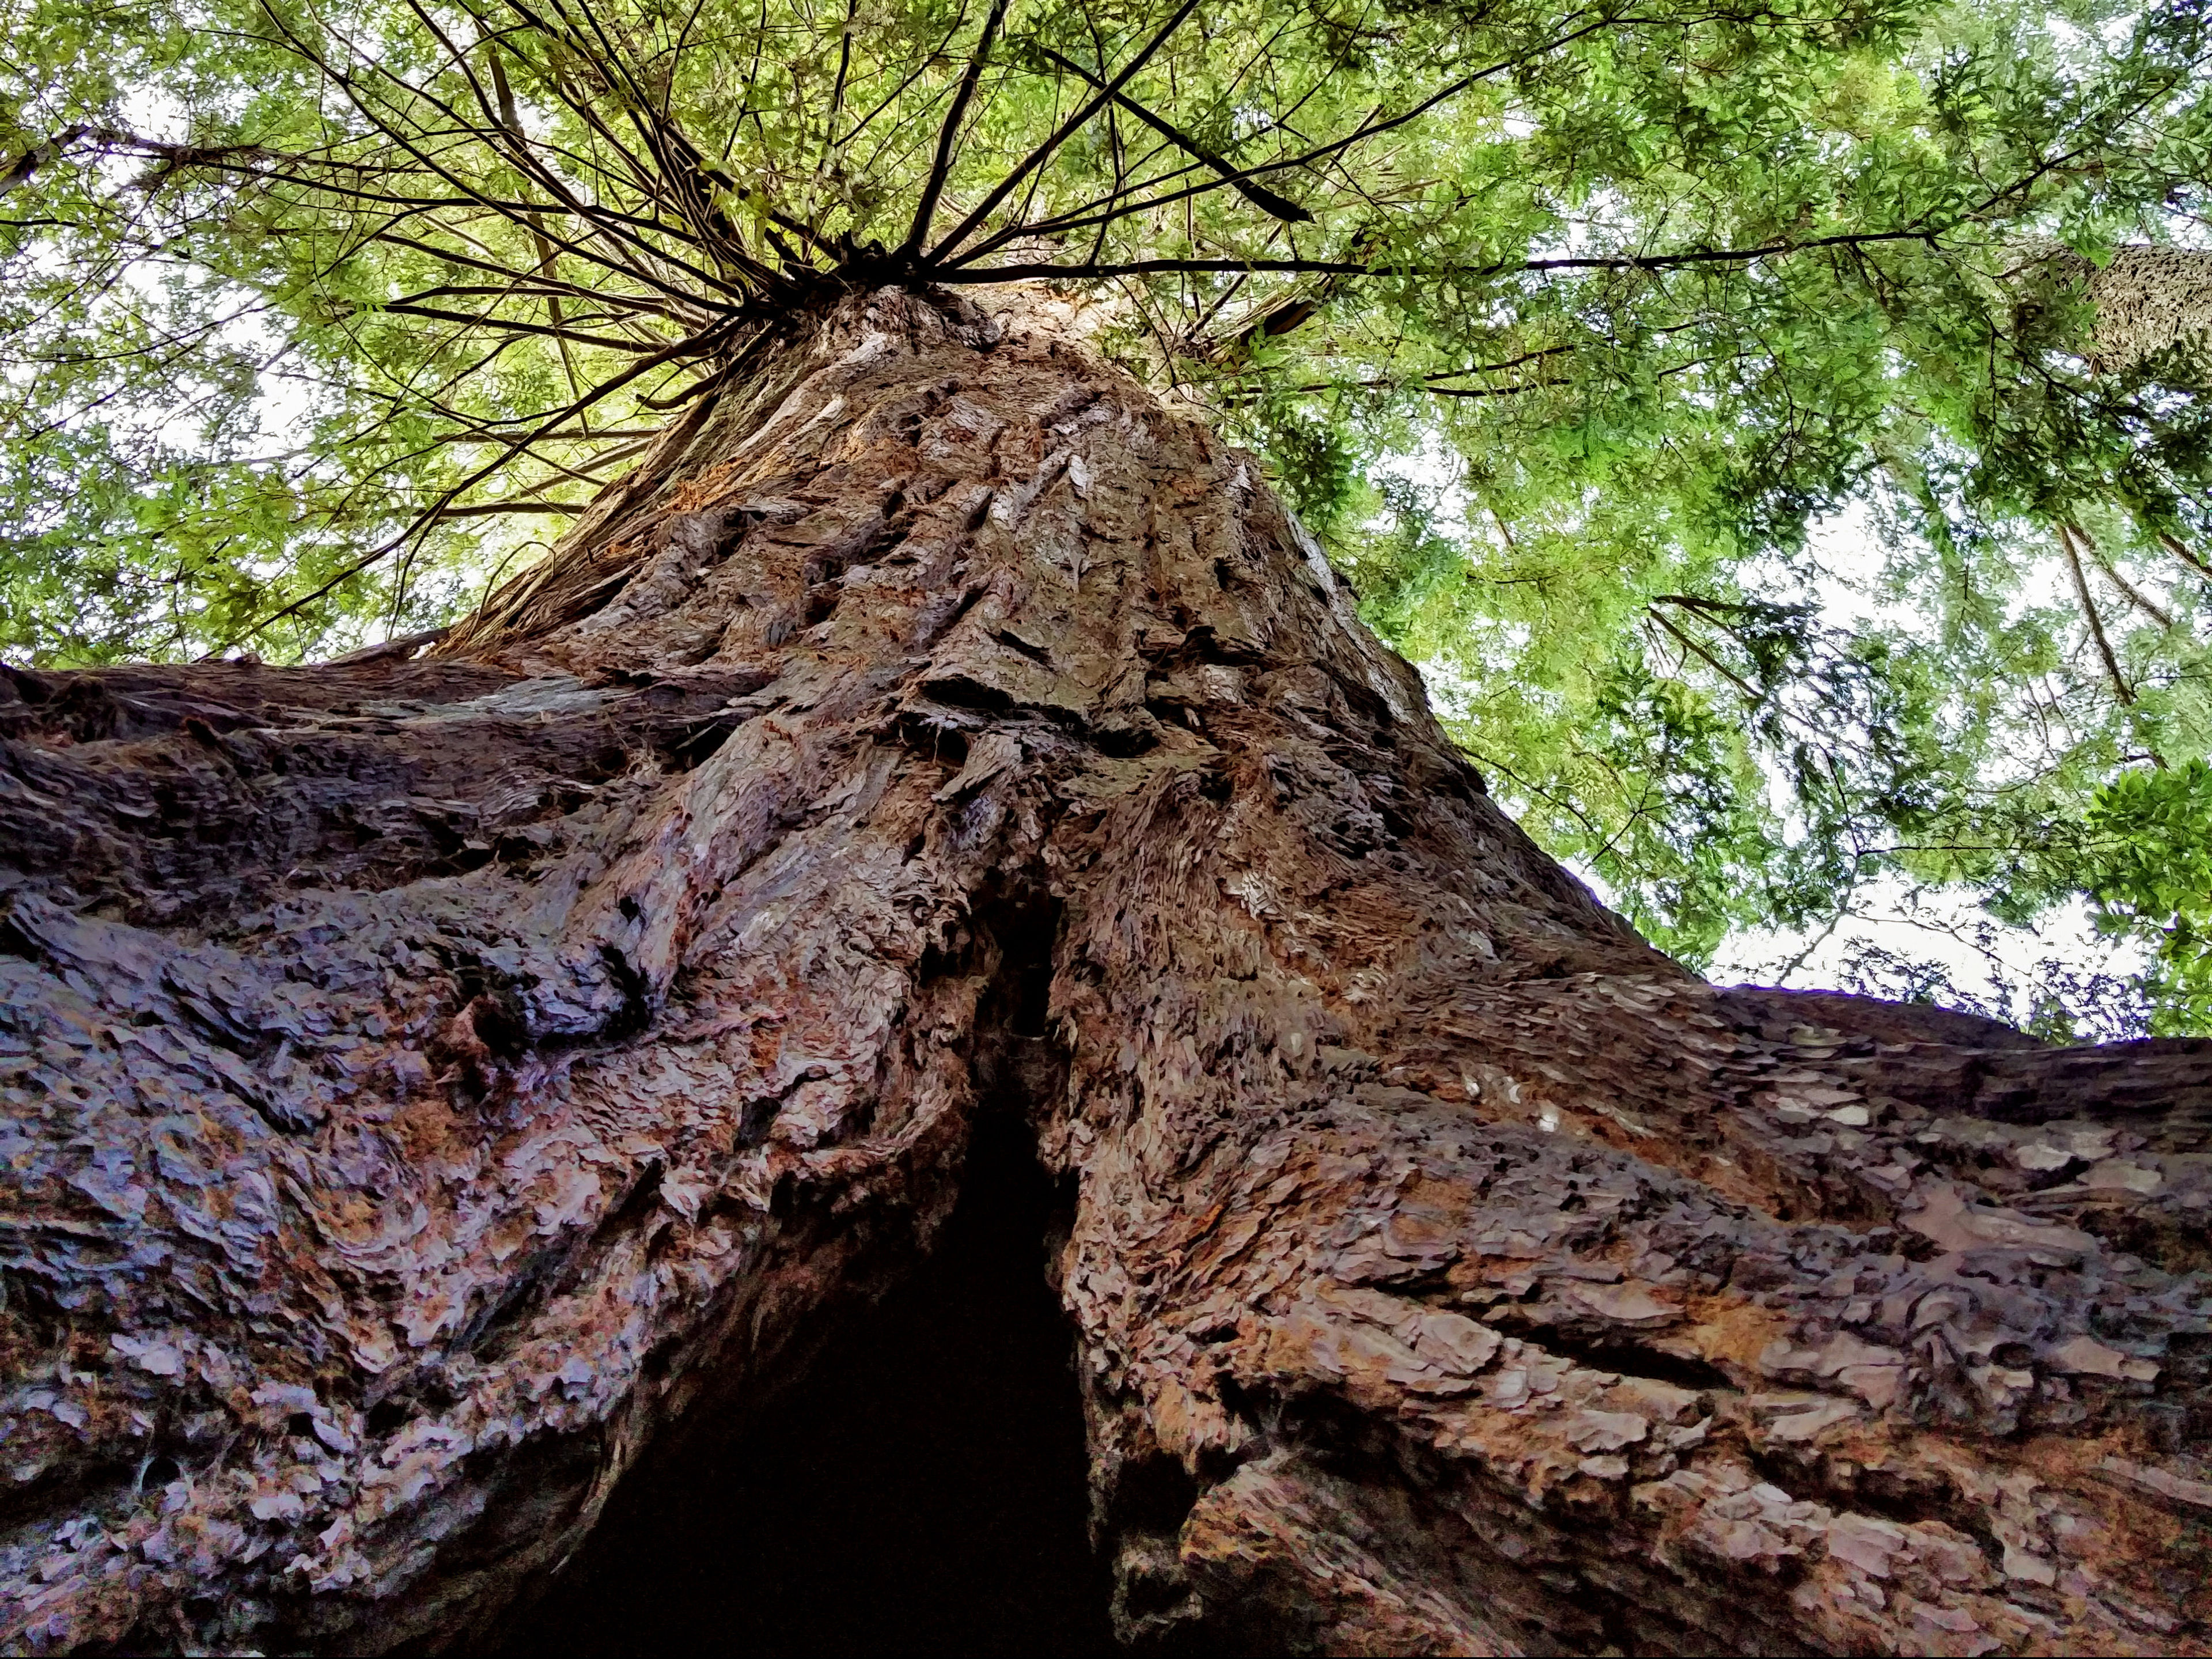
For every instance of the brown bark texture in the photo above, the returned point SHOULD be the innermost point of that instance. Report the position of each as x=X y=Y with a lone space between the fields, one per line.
x=428 y=1083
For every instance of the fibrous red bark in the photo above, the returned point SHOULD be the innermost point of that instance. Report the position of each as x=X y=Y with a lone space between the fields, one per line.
x=428 y=1081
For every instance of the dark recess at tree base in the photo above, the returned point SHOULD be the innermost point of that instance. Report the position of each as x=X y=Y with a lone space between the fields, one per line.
x=918 y=1491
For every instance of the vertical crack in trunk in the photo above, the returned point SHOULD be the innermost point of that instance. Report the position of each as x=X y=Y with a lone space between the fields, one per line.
x=429 y=1083
x=918 y=1486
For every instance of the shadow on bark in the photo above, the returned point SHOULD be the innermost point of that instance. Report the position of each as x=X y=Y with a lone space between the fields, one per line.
x=921 y=1491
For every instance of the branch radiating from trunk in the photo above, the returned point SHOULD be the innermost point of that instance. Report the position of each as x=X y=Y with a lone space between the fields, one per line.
x=435 y=1082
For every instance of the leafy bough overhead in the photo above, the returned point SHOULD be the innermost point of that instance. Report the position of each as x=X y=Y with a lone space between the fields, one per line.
x=1561 y=326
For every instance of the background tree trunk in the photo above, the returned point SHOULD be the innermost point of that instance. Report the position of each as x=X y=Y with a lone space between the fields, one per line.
x=2151 y=301
x=428 y=1080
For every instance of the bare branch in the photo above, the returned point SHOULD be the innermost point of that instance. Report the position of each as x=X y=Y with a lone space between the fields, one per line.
x=1259 y=195
x=487 y=509
x=513 y=324
x=926 y=209
x=2157 y=613
x=1367 y=129
x=422 y=523
x=2067 y=534
x=1033 y=271
x=1066 y=130
x=2182 y=551
x=1711 y=661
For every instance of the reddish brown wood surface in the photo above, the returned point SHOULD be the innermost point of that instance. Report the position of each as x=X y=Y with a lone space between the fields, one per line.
x=426 y=1082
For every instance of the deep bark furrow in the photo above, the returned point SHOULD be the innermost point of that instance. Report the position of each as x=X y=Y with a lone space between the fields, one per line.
x=429 y=1083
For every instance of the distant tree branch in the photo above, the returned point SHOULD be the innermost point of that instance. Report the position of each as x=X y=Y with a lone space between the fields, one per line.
x=2067 y=534
x=511 y=325
x=2182 y=551
x=1259 y=195
x=2142 y=601
x=711 y=341
x=1036 y=272
x=487 y=509
x=1713 y=662
x=1044 y=152
x=1370 y=129
x=941 y=167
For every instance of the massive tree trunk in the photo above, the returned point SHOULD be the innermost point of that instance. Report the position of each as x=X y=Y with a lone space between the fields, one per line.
x=430 y=1081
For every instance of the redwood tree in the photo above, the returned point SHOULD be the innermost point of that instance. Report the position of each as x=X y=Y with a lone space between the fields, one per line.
x=438 y=1076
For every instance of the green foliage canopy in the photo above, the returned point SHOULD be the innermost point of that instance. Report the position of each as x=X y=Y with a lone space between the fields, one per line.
x=1568 y=329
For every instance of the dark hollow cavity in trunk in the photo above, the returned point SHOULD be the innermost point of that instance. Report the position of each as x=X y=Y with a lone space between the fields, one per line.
x=921 y=1490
